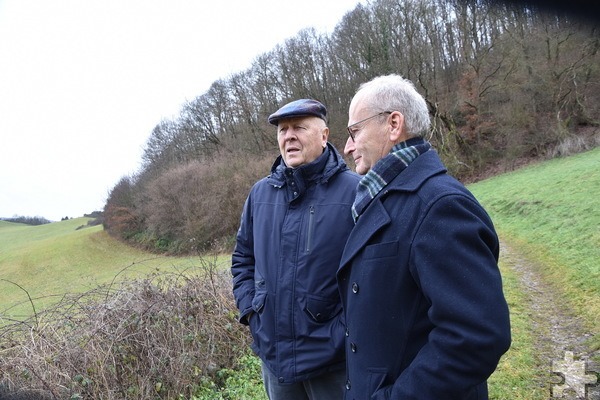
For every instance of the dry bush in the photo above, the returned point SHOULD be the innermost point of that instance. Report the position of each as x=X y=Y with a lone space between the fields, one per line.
x=154 y=338
x=586 y=139
x=121 y=221
x=197 y=205
x=120 y=218
x=7 y=394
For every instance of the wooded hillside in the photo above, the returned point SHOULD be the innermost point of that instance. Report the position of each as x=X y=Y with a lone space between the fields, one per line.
x=504 y=83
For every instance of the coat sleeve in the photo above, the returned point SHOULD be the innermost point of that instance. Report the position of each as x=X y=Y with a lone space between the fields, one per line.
x=454 y=261
x=242 y=264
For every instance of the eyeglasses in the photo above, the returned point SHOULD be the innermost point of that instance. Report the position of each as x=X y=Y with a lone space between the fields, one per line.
x=352 y=131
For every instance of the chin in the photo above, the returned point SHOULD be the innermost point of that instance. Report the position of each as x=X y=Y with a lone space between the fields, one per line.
x=292 y=163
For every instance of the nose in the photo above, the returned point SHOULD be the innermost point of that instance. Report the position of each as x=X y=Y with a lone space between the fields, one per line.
x=349 y=148
x=290 y=134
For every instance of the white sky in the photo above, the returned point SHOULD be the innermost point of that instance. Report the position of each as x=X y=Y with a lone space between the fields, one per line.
x=84 y=82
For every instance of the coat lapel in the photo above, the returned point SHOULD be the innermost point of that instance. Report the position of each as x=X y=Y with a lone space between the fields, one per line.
x=372 y=220
x=376 y=216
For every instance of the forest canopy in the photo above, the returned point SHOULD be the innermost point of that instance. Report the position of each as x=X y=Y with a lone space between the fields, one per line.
x=505 y=82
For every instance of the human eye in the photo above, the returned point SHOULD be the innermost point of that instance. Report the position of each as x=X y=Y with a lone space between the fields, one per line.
x=354 y=130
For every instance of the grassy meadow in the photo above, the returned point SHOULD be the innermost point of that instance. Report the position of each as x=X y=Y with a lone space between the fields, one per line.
x=551 y=213
x=50 y=260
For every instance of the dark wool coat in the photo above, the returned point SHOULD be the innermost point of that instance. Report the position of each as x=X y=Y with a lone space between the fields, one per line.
x=293 y=230
x=425 y=312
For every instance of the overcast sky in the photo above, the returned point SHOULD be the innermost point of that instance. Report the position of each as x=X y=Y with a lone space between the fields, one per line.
x=84 y=82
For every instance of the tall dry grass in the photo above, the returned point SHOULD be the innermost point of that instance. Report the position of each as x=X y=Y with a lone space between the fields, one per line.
x=158 y=337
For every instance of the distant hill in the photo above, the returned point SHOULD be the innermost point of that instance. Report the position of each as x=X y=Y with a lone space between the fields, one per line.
x=46 y=261
x=27 y=220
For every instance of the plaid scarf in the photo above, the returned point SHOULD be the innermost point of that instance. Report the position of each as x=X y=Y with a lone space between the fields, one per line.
x=385 y=170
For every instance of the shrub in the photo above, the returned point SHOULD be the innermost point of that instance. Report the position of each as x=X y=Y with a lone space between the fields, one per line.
x=197 y=206
x=120 y=216
x=244 y=383
x=160 y=337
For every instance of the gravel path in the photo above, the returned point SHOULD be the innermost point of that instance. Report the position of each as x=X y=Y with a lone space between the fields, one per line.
x=556 y=328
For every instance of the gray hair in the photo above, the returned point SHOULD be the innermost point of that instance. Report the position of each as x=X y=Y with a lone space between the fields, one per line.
x=394 y=93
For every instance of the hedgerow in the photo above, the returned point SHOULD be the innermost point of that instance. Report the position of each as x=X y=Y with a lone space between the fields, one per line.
x=160 y=337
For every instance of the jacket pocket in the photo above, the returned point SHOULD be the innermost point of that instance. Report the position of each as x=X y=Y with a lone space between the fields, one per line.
x=260 y=328
x=376 y=379
x=258 y=302
x=382 y=250
x=260 y=294
x=322 y=309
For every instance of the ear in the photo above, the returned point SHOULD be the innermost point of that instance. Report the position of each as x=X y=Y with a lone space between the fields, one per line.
x=325 y=134
x=397 y=133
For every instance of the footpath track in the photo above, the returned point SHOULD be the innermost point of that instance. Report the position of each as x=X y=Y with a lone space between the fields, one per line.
x=560 y=335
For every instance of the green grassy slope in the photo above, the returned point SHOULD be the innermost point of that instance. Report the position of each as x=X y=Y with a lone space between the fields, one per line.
x=53 y=259
x=551 y=212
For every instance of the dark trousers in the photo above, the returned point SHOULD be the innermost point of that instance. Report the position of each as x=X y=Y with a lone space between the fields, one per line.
x=323 y=387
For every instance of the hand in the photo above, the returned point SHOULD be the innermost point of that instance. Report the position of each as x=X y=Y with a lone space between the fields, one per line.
x=250 y=314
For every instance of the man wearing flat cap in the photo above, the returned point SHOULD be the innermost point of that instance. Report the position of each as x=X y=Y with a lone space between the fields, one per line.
x=293 y=229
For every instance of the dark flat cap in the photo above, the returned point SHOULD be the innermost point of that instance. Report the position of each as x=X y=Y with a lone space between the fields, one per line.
x=299 y=108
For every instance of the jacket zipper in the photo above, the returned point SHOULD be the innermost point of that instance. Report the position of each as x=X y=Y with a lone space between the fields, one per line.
x=311 y=223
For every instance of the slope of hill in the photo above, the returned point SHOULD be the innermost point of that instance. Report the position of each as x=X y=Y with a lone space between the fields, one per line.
x=551 y=212
x=46 y=261
x=548 y=219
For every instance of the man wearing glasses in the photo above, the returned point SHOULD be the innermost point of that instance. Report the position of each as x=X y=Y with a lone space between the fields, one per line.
x=426 y=316
x=293 y=230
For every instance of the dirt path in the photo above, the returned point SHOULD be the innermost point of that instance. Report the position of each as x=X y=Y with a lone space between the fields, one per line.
x=557 y=330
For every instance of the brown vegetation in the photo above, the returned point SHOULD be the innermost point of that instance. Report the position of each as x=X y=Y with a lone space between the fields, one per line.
x=154 y=338
x=505 y=82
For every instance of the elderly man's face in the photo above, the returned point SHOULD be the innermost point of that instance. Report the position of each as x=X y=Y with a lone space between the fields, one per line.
x=301 y=140
x=371 y=136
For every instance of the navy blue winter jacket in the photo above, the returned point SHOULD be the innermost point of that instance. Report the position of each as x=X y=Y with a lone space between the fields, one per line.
x=293 y=229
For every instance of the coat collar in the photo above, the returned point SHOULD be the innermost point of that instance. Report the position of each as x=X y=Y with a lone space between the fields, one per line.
x=375 y=217
x=421 y=169
x=330 y=162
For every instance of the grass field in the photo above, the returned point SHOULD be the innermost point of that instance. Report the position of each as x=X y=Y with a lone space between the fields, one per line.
x=551 y=212
x=52 y=259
